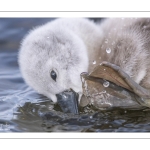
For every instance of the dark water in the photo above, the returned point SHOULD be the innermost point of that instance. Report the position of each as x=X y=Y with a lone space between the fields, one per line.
x=23 y=110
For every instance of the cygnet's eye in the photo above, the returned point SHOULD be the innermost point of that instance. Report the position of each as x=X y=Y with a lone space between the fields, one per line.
x=53 y=75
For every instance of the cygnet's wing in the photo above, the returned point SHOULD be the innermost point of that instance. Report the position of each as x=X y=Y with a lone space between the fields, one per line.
x=105 y=88
x=109 y=74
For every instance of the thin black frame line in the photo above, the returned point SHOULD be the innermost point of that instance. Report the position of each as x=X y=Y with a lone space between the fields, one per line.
x=75 y=11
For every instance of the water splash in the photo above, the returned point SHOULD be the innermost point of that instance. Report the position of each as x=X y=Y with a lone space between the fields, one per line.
x=106 y=84
x=94 y=62
x=91 y=117
x=108 y=50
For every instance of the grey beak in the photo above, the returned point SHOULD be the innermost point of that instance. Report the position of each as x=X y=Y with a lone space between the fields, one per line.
x=68 y=101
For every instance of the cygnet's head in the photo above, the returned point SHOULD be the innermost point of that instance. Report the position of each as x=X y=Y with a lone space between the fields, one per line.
x=51 y=60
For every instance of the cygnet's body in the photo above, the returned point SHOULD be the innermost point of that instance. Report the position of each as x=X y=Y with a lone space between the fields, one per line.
x=69 y=47
x=129 y=42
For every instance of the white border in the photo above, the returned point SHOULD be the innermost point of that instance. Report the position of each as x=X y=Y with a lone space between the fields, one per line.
x=73 y=14
x=70 y=135
x=74 y=5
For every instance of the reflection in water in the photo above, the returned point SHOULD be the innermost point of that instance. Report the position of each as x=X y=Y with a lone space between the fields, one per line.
x=23 y=110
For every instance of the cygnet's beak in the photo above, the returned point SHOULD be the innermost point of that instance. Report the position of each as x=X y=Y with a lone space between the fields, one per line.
x=68 y=101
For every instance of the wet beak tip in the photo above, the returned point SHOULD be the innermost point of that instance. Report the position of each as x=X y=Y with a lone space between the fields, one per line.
x=68 y=101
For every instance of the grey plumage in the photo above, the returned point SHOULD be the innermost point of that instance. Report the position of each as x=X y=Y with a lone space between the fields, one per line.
x=129 y=41
x=69 y=46
x=61 y=46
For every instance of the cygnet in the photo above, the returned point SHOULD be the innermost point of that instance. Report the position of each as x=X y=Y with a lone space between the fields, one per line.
x=53 y=56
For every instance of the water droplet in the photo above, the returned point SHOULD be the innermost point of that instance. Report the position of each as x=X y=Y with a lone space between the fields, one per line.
x=125 y=111
x=91 y=117
x=33 y=110
x=65 y=96
x=104 y=69
x=106 y=84
x=94 y=62
x=48 y=37
x=144 y=27
x=82 y=79
x=108 y=50
x=122 y=18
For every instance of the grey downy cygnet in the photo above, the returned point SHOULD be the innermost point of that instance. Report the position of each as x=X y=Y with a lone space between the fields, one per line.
x=53 y=56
